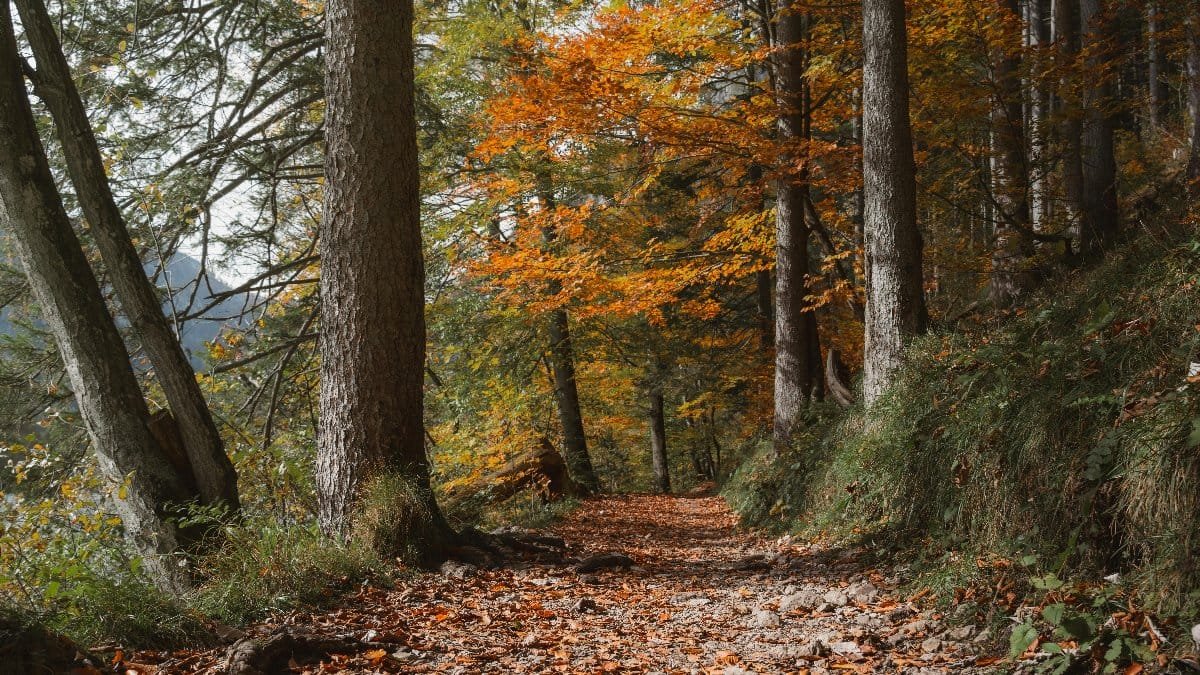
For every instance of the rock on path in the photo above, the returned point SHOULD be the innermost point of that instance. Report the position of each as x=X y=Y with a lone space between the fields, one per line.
x=701 y=597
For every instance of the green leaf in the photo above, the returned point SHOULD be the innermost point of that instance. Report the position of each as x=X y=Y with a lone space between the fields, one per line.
x=1020 y=639
x=1053 y=614
x=1079 y=627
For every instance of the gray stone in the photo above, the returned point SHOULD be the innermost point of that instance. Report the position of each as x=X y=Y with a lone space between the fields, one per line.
x=836 y=598
x=765 y=619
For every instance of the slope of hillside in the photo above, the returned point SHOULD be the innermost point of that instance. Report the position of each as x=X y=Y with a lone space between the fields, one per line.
x=1062 y=438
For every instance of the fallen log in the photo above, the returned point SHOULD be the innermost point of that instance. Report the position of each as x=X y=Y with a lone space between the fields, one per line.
x=602 y=561
x=27 y=648
x=542 y=469
x=271 y=654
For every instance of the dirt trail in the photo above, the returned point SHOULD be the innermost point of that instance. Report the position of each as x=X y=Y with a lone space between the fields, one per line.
x=703 y=597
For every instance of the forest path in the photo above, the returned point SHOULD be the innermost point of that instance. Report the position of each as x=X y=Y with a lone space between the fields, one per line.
x=703 y=597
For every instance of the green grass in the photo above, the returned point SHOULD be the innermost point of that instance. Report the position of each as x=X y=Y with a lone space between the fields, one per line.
x=1065 y=431
x=263 y=567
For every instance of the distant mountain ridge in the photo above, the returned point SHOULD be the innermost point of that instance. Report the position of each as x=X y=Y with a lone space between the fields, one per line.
x=181 y=276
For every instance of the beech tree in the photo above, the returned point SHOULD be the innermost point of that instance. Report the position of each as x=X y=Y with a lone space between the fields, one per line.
x=797 y=348
x=895 y=310
x=373 y=283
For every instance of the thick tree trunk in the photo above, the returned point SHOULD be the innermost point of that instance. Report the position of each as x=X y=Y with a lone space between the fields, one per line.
x=373 y=277
x=1193 y=82
x=562 y=362
x=1099 y=223
x=1066 y=24
x=216 y=479
x=895 y=295
x=106 y=389
x=1012 y=246
x=797 y=374
x=658 y=442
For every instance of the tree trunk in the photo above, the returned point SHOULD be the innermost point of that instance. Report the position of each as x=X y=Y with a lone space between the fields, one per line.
x=766 y=313
x=1012 y=246
x=1099 y=223
x=105 y=387
x=1066 y=22
x=1156 y=95
x=1193 y=83
x=895 y=295
x=566 y=394
x=216 y=479
x=373 y=279
x=1038 y=37
x=658 y=442
x=797 y=375
x=562 y=361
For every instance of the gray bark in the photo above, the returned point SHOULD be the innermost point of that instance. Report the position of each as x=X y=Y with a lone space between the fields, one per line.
x=1098 y=226
x=69 y=297
x=658 y=442
x=1038 y=36
x=797 y=373
x=562 y=362
x=215 y=477
x=372 y=275
x=895 y=310
x=1192 y=28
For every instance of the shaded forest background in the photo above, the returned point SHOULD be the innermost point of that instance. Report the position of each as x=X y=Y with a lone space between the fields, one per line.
x=645 y=247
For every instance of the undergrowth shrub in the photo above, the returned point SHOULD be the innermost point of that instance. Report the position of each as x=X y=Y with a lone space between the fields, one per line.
x=64 y=565
x=263 y=566
x=1069 y=430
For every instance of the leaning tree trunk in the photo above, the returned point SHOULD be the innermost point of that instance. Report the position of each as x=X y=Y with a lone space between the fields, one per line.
x=1098 y=226
x=895 y=297
x=216 y=479
x=797 y=373
x=562 y=362
x=373 y=283
x=658 y=441
x=1012 y=247
x=105 y=387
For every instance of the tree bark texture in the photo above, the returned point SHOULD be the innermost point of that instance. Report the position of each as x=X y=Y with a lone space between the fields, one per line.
x=72 y=305
x=797 y=373
x=895 y=295
x=373 y=275
x=216 y=479
x=1192 y=28
x=1038 y=37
